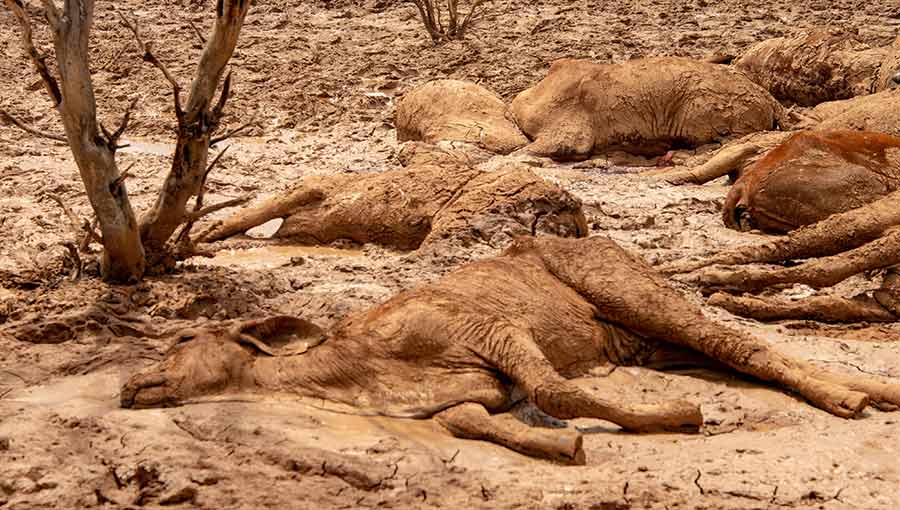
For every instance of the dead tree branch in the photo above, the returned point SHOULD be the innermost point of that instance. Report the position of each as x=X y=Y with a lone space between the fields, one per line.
x=113 y=140
x=231 y=133
x=206 y=211
x=196 y=128
x=430 y=11
x=73 y=97
x=73 y=220
x=197 y=31
x=39 y=61
x=147 y=55
x=77 y=264
x=9 y=119
x=206 y=174
x=130 y=244
x=117 y=183
x=90 y=234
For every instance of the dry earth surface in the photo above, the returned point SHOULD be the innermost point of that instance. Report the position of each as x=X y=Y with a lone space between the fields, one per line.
x=321 y=78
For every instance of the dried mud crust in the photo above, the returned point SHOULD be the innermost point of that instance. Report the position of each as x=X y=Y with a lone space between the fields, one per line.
x=305 y=69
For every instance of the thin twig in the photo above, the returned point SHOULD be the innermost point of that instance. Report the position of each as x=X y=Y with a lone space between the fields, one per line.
x=194 y=216
x=231 y=133
x=113 y=141
x=90 y=230
x=73 y=220
x=117 y=182
x=148 y=56
x=28 y=129
x=51 y=12
x=76 y=259
x=197 y=31
x=183 y=240
x=220 y=106
x=206 y=174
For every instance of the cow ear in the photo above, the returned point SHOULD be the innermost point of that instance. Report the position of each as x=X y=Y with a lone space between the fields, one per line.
x=183 y=336
x=279 y=336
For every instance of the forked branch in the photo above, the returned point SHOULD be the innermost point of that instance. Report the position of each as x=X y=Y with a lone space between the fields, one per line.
x=197 y=127
x=431 y=13
x=73 y=97
x=147 y=55
x=231 y=133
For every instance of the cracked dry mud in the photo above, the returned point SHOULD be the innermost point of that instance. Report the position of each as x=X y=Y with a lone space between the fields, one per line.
x=323 y=77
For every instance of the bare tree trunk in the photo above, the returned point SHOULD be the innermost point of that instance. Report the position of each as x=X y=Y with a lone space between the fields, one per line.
x=123 y=257
x=196 y=125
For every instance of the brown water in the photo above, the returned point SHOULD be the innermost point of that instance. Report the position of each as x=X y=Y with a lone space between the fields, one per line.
x=269 y=257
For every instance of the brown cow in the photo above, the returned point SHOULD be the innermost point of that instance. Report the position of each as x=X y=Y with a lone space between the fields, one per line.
x=818 y=65
x=643 y=106
x=811 y=176
x=466 y=347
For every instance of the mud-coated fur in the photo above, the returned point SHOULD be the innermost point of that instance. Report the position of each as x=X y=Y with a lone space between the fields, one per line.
x=878 y=112
x=454 y=110
x=644 y=106
x=419 y=206
x=814 y=66
x=811 y=176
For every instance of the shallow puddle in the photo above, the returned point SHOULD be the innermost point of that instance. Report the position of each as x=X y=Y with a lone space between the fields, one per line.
x=269 y=257
x=148 y=147
x=158 y=148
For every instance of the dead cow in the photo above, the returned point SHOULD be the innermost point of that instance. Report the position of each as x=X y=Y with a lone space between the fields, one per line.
x=644 y=106
x=416 y=207
x=461 y=348
x=836 y=193
x=454 y=110
x=815 y=66
x=879 y=112
x=811 y=176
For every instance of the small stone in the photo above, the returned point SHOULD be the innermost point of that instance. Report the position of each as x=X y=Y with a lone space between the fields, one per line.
x=4 y=444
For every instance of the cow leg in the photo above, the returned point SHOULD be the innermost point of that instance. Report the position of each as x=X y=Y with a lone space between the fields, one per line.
x=818 y=308
x=627 y=292
x=835 y=234
x=818 y=273
x=470 y=420
x=279 y=206
x=881 y=392
x=571 y=139
x=723 y=162
x=514 y=353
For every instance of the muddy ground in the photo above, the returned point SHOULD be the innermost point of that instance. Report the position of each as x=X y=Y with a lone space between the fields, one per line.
x=321 y=79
